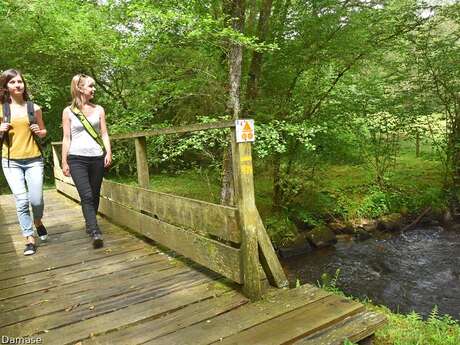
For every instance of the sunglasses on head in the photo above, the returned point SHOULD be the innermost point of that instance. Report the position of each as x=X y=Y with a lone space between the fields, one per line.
x=81 y=76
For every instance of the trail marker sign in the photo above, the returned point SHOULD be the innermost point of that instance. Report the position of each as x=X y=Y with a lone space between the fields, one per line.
x=244 y=131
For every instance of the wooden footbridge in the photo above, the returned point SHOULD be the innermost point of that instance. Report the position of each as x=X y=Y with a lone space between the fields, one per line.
x=223 y=284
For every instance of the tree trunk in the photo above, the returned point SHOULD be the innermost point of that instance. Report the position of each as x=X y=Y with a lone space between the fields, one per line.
x=251 y=18
x=236 y=11
x=235 y=60
x=455 y=140
x=227 y=195
x=277 y=192
x=255 y=68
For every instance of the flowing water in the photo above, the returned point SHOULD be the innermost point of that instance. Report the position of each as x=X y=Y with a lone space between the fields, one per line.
x=415 y=270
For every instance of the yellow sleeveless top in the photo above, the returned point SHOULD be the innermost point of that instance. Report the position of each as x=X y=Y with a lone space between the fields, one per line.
x=21 y=140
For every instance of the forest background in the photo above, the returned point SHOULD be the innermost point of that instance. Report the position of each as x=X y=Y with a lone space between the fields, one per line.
x=356 y=102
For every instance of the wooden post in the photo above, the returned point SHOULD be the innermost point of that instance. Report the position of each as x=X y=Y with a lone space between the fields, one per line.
x=141 y=161
x=248 y=218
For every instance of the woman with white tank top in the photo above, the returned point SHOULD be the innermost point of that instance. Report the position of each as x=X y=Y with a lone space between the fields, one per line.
x=83 y=156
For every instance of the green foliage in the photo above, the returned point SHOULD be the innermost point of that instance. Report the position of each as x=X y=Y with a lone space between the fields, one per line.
x=306 y=215
x=196 y=183
x=374 y=204
x=329 y=283
x=414 y=184
x=180 y=152
x=339 y=83
x=411 y=329
x=3 y=185
x=278 y=137
x=348 y=342
x=338 y=145
x=380 y=142
x=280 y=229
x=398 y=200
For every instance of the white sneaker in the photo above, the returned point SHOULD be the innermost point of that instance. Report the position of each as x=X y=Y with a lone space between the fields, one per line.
x=30 y=249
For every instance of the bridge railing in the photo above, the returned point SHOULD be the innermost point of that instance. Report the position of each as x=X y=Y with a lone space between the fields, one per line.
x=231 y=241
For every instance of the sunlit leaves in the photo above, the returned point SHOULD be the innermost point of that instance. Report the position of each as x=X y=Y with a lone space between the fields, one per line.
x=277 y=136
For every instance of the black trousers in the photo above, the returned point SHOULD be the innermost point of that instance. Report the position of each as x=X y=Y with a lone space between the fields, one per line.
x=87 y=173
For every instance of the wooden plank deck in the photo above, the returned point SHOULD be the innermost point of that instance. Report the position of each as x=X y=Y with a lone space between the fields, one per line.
x=130 y=292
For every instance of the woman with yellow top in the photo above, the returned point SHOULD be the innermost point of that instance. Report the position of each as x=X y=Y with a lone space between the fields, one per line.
x=22 y=161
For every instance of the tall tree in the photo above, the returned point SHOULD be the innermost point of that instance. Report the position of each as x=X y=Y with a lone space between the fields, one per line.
x=255 y=67
x=236 y=11
x=435 y=55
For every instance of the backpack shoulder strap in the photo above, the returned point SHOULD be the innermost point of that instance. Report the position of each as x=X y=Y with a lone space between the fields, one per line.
x=33 y=121
x=6 y=112
x=6 y=118
x=31 y=112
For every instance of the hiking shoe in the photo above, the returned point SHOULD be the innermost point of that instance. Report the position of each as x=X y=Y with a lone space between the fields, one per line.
x=30 y=249
x=42 y=233
x=97 y=241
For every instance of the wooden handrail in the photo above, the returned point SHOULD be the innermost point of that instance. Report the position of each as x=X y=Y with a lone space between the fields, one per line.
x=170 y=130
x=175 y=130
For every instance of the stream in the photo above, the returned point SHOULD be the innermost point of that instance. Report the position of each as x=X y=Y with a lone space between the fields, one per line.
x=412 y=271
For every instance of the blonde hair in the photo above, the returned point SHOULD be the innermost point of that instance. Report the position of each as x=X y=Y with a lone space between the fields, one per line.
x=77 y=96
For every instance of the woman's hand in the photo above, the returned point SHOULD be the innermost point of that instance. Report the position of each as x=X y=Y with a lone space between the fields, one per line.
x=37 y=131
x=65 y=169
x=4 y=127
x=107 y=159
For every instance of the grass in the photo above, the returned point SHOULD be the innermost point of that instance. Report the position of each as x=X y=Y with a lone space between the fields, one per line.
x=412 y=184
x=411 y=329
x=408 y=329
x=195 y=184
x=4 y=189
x=343 y=191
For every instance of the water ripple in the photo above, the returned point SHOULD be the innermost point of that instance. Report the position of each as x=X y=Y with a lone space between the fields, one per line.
x=412 y=271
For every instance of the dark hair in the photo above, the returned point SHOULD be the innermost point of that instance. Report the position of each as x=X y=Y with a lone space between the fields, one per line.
x=4 y=80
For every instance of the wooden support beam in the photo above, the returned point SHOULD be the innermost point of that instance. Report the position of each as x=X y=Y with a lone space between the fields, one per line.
x=141 y=162
x=269 y=260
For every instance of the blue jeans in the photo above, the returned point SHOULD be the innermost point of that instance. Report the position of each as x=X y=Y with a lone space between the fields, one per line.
x=25 y=178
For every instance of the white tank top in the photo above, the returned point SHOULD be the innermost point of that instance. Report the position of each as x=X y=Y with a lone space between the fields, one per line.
x=81 y=143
